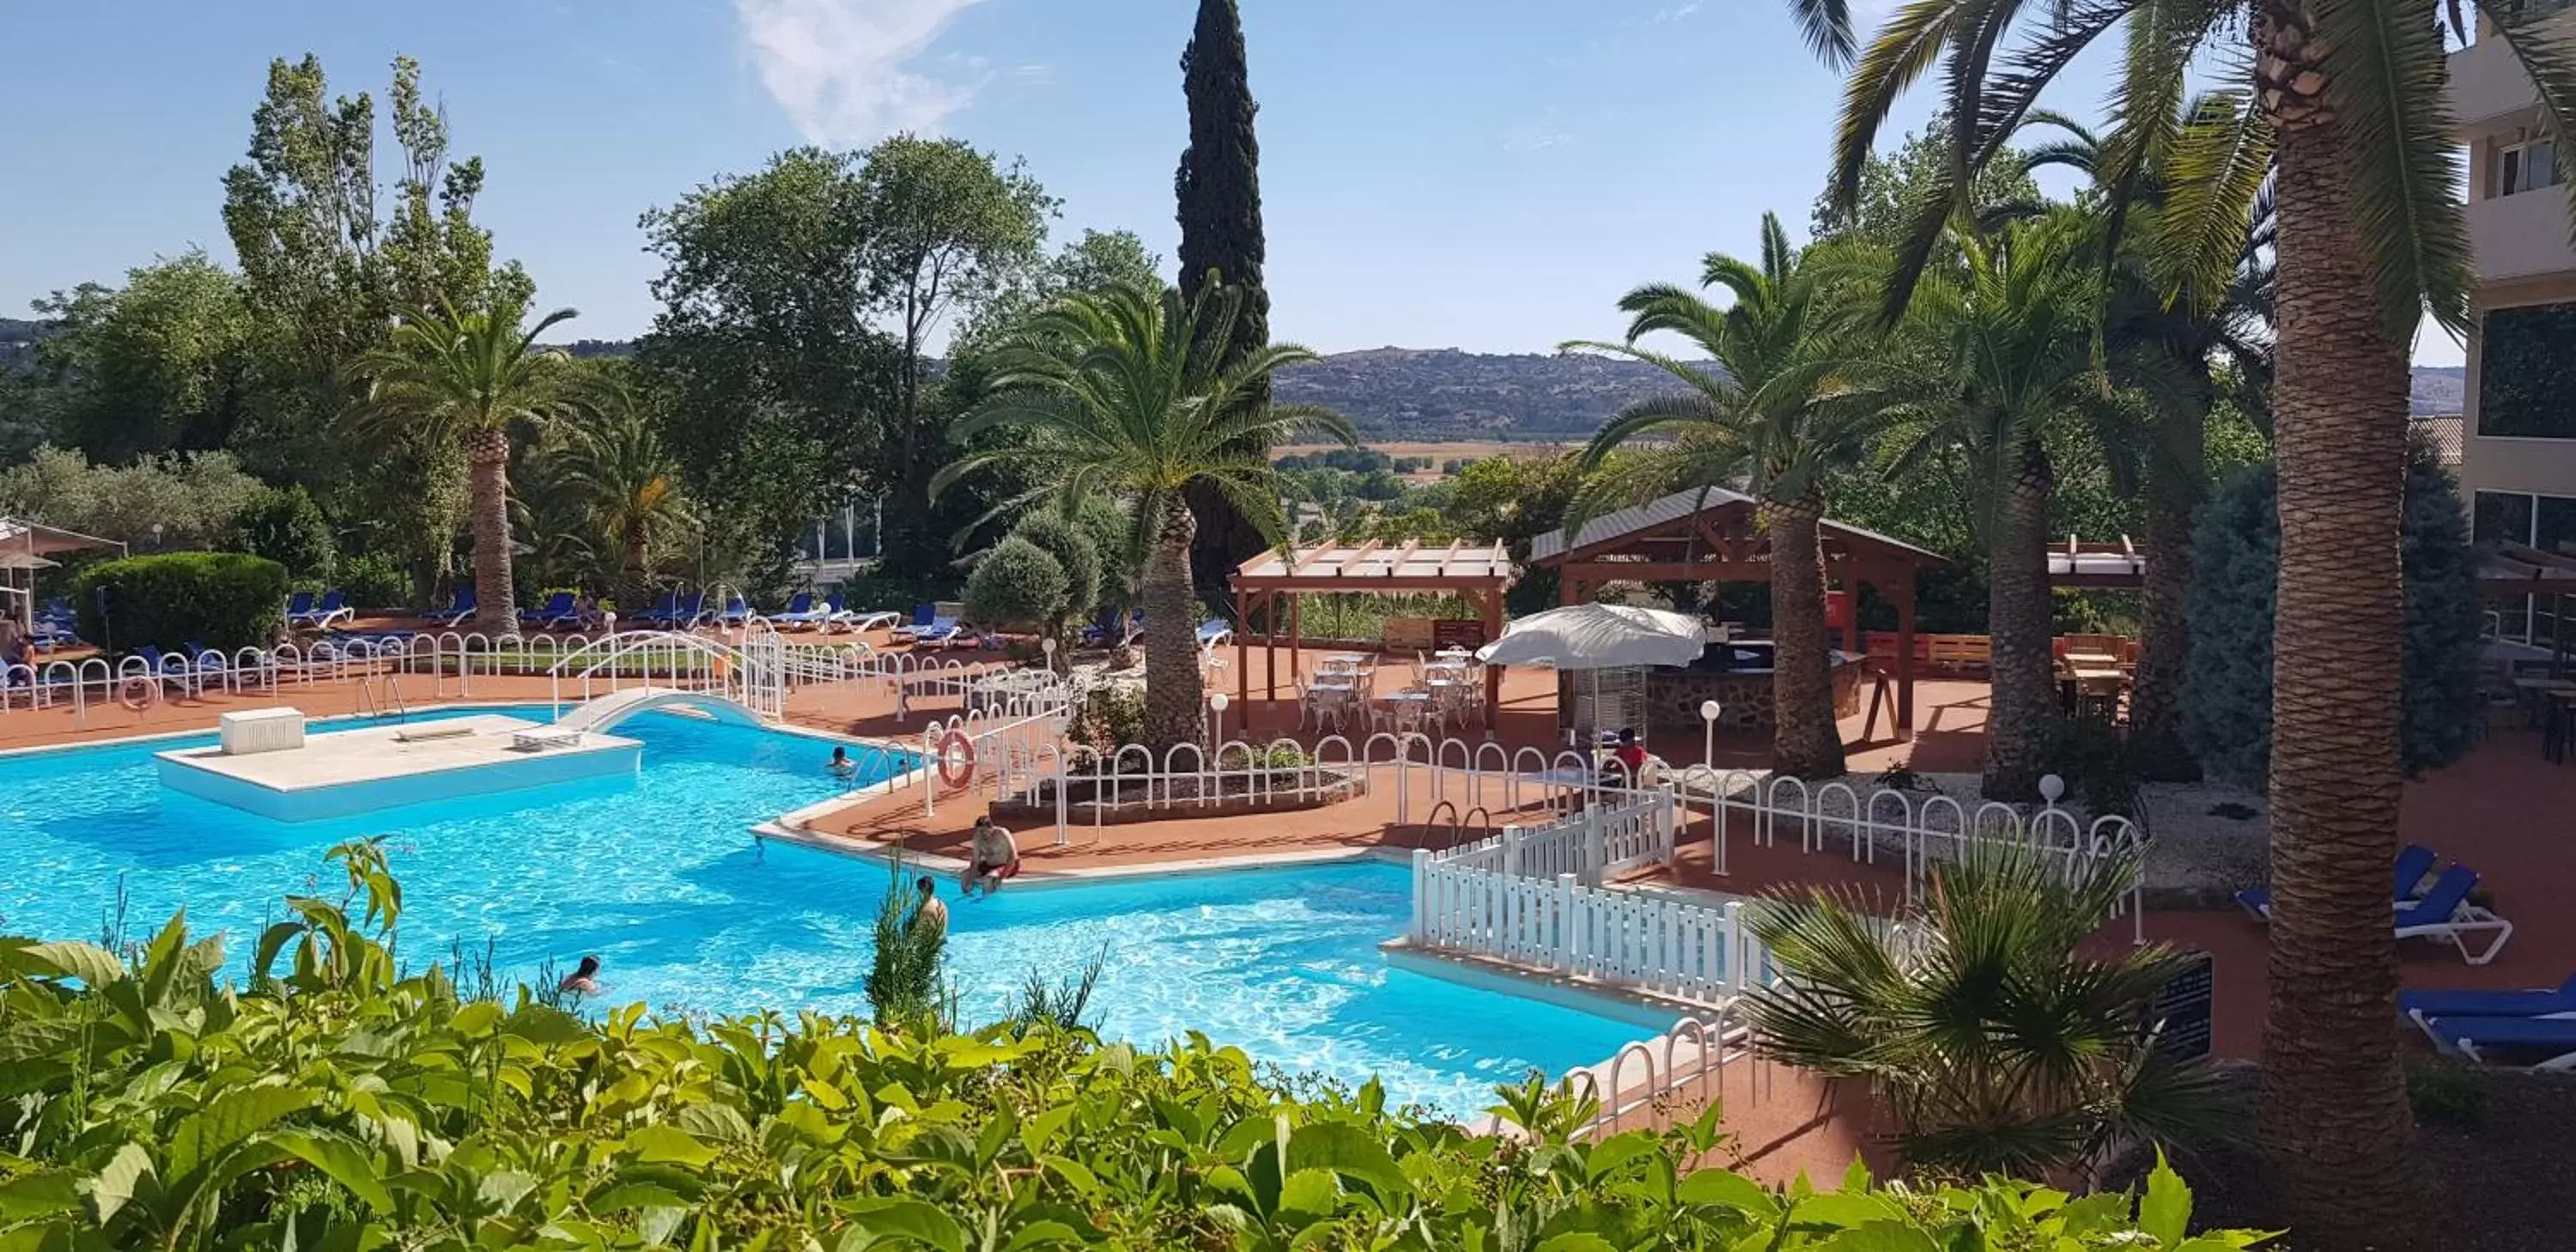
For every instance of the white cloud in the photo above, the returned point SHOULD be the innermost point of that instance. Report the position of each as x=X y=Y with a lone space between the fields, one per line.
x=837 y=66
x=1676 y=12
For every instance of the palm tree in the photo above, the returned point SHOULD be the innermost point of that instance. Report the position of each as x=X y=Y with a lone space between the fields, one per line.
x=1135 y=394
x=2367 y=235
x=2000 y=347
x=1784 y=409
x=1998 y=1039
x=617 y=466
x=470 y=377
x=2219 y=152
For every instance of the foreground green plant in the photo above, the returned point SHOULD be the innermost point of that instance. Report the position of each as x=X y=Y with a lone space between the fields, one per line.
x=337 y=1106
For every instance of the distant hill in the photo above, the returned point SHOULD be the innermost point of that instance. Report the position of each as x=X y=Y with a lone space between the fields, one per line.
x=2439 y=388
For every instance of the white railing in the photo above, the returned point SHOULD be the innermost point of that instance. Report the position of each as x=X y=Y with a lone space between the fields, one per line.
x=1649 y=941
x=1921 y=829
x=1644 y=1084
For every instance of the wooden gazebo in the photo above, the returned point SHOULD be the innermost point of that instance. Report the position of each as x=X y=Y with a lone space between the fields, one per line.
x=1477 y=572
x=1710 y=537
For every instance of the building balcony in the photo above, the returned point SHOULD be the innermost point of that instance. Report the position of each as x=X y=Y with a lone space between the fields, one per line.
x=2488 y=87
x=2521 y=236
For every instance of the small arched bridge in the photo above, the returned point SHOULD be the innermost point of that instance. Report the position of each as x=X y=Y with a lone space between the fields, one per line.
x=608 y=710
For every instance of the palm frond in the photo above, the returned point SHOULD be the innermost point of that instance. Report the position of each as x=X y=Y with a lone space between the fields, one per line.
x=2385 y=80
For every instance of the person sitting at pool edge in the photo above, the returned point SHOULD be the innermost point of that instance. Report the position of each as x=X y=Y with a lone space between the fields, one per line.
x=842 y=765
x=991 y=857
x=932 y=911
x=583 y=980
x=1630 y=754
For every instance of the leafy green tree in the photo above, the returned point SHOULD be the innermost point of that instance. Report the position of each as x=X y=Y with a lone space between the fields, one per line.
x=192 y=499
x=1893 y=184
x=615 y=464
x=164 y=363
x=946 y=226
x=1788 y=405
x=469 y=379
x=1218 y=189
x=284 y=525
x=1120 y=394
x=1075 y=552
x=2368 y=234
x=329 y=265
x=1998 y=1040
x=774 y=386
x=1018 y=586
x=2227 y=694
x=1516 y=499
x=1098 y=261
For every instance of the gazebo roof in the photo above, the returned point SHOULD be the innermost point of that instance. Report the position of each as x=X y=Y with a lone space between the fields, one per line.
x=1412 y=565
x=18 y=535
x=2097 y=565
x=2517 y=570
x=2513 y=570
x=1647 y=522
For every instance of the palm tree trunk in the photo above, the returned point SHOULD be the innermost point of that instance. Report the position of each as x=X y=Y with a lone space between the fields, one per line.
x=2021 y=619
x=634 y=576
x=1172 y=679
x=1806 y=741
x=2335 y=1121
x=2174 y=487
x=487 y=458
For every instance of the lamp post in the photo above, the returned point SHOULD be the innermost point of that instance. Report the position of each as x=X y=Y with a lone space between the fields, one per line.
x=1216 y=719
x=1047 y=645
x=1708 y=711
x=156 y=536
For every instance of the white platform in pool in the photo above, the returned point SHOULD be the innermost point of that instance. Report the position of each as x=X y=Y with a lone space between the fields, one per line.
x=381 y=767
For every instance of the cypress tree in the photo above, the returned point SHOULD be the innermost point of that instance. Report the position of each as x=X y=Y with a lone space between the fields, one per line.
x=1218 y=189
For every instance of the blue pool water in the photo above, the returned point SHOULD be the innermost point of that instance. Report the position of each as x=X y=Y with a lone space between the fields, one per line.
x=657 y=874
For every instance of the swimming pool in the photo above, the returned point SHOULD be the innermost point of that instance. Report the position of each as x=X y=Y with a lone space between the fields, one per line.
x=657 y=874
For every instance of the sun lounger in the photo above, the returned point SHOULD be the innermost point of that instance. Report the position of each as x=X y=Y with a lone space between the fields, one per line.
x=928 y=627
x=2445 y=913
x=861 y=620
x=800 y=611
x=736 y=612
x=303 y=612
x=2422 y=1007
x=2413 y=862
x=561 y=609
x=459 y=607
x=2553 y=1039
x=1214 y=631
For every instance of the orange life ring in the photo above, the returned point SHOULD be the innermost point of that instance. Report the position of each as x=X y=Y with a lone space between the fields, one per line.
x=957 y=759
x=136 y=692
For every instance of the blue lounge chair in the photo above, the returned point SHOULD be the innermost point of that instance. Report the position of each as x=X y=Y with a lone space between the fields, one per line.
x=2445 y=913
x=928 y=627
x=1214 y=631
x=333 y=610
x=2552 y=1039
x=2421 y=1007
x=459 y=607
x=736 y=612
x=168 y=668
x=298 y=607
x=662 y=612
x=560 y=610
x=800 y=611
x=691 y=610
x=2413 y=862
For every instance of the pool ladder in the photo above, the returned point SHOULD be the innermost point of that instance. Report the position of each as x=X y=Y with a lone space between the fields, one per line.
x=388 y=701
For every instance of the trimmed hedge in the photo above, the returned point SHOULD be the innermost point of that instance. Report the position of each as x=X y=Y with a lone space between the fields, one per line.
x=224 y=600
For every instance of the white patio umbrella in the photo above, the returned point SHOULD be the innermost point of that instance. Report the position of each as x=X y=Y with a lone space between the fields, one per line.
x=1596 y=637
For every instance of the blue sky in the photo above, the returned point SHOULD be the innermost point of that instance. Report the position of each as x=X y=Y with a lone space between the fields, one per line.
x=1488 y=175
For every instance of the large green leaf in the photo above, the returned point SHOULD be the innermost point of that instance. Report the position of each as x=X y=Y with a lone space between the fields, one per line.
x=345 y=1161
x=93 y=965
x=228 y=1120
x=39 y=1195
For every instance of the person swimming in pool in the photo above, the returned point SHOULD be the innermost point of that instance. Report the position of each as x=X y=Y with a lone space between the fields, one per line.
x=842 y=765
x=583 y=980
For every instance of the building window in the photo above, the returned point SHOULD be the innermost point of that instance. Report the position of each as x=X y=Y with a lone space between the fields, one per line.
x=2526 y=166
x=2544 y=522
x=2527 y=372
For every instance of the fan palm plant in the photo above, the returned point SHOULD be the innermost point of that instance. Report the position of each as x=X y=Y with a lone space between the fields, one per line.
x=1135 y=394
x=1999 y=1042
x=2367 y=236
x=1999 y=345
x=472 y=377
x=616 y=464
x=1786 y=407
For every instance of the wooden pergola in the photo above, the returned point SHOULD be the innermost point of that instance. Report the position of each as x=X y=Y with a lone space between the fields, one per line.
x=1711 y=537
x=1477 y=572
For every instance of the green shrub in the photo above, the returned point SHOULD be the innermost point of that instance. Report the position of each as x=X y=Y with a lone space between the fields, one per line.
x=1017 y=586
x=2089 y=754
x=284 y=525
x=1074 y=551
x=1112 y=717
x=2446 y=1093
x=2236 y=556
x=224 y=600
x=374 y=580
x=335 y=1102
